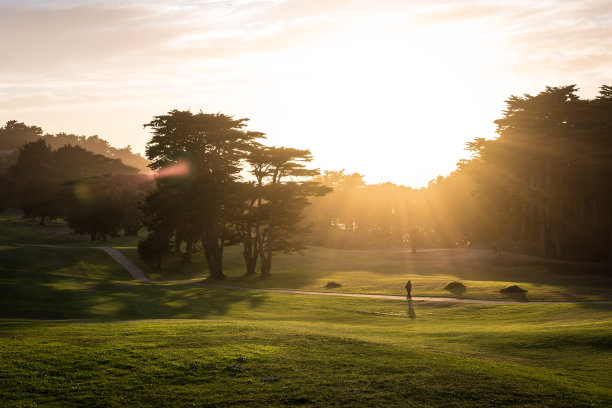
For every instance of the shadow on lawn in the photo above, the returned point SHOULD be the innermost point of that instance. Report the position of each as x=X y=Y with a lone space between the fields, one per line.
x=43 y=283
x=119 y=301
x=411 y=313
x=466 y=264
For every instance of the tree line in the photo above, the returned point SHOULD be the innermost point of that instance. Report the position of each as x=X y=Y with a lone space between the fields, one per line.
x=223 y=187
x=13 y=135
x=541 y=187
x=547 y=179
x=95 y=194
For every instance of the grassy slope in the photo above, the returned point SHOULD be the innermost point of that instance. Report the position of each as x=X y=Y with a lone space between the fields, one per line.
x=125 y=343
x=383 y=272
x=324 y=351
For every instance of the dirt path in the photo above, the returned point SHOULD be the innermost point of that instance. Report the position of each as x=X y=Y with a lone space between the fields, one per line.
x=397 y=297
x=138 y=274
x=129 y=266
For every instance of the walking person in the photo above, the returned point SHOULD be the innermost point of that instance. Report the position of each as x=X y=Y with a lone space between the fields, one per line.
x=408 y=289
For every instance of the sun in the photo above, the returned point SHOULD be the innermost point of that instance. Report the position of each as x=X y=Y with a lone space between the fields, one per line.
x=394 y=107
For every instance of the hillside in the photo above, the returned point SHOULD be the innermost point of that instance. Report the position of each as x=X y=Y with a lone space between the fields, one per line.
x=13 y=135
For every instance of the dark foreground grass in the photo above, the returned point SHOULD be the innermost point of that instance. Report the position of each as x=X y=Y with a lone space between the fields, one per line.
x=123 y=343
x=289 y=351
x=379 y=272
x=75 y=330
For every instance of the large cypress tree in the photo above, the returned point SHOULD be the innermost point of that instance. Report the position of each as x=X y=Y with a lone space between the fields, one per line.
x=210 y=148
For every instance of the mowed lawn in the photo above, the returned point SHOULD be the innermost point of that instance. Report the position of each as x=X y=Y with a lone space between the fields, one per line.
x=386 y=272
x=377 y=272
x=76 y=330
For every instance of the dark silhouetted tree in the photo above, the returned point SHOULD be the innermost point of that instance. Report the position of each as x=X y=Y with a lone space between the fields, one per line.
x=280 y=194
x=14 y=135
x=39 y=173
x=549 y=173
x=102 y=206
x=155 y=247
x=213 y=145
x=32 y=182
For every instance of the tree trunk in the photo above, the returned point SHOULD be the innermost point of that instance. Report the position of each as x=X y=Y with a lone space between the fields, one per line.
x=186 y=257
x=543 y=236
x=177 y=244
x=266 y=261
x=250 y=251
x=265 y=253
x=251 y=265
x=130 y=231
x=250 y=254
x=610 y=245
x=213 y=249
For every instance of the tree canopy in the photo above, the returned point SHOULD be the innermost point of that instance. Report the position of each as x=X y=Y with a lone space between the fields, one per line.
x=205 y=195
x=549 y=173
x=213 y=146
x=39 y=173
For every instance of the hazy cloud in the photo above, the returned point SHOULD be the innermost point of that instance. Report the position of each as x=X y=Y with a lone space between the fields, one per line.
x=272 y=58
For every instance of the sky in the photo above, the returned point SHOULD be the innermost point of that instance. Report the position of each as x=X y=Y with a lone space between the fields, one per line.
x=391 y=89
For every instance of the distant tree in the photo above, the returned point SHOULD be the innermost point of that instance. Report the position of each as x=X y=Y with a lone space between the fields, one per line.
x=39 y=173
x=171 y=209
x=15 y=134
x=416 y=237
x=4 y=191
x=155 y=247
x=73 y=162
x=97 y=145
x=32 y=181
x=356 y=215
x=133 y=190
x=103 y=206
x=7 y=159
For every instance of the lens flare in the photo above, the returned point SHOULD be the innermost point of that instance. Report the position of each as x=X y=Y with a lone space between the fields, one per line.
x=178 y=169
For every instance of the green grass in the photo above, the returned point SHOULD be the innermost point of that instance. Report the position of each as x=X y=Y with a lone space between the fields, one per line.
x=386 y=272
x=324 y=352
x=377 y=272
x=76 y=330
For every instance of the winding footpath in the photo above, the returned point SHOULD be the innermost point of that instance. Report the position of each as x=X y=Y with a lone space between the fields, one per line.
x=139 y=275
x=129 y=266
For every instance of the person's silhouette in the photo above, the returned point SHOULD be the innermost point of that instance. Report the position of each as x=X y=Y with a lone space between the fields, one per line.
x=408 y=289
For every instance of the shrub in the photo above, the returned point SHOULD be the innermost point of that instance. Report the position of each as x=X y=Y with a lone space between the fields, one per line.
x=456 y=288
x=513 y=289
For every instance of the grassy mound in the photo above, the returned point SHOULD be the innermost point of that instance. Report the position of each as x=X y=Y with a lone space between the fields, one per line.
x=456 y=288
x=514 y=289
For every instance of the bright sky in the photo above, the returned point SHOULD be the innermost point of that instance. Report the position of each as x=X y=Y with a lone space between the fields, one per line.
x=392 y=89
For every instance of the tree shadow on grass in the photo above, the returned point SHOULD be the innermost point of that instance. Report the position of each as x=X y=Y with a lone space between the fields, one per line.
x=123 y=301
x=298 y=272
x=45 y=283
x=184 y=301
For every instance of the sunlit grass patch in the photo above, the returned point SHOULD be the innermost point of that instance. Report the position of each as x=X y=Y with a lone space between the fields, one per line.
x=321 y=352
x=177 y=344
